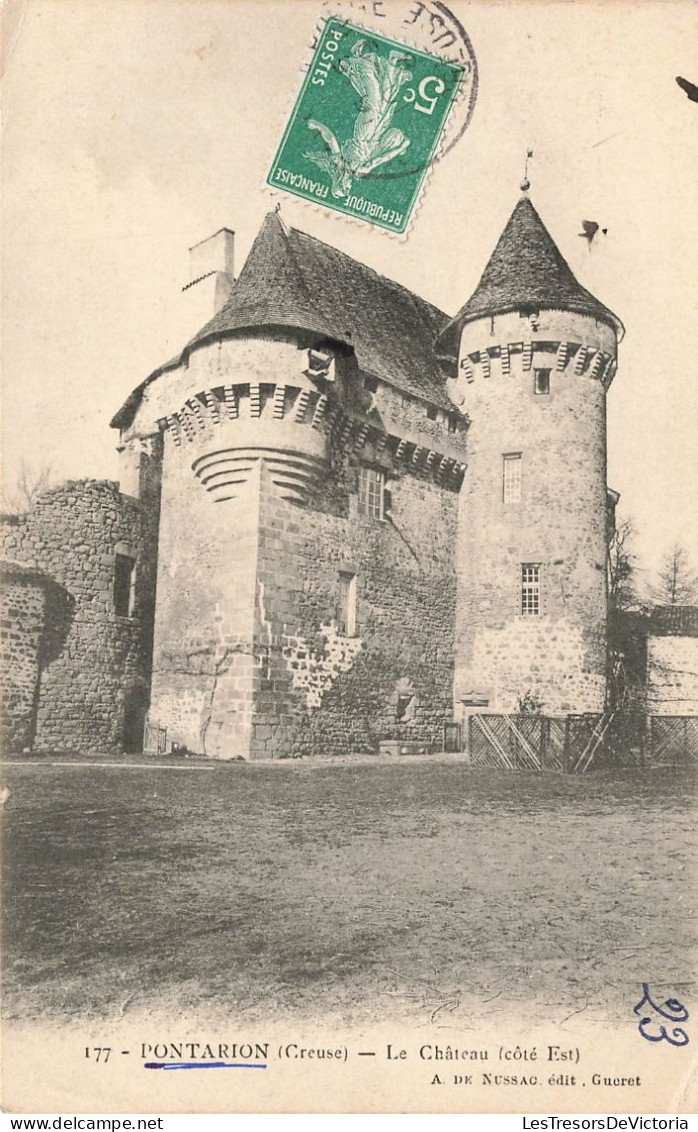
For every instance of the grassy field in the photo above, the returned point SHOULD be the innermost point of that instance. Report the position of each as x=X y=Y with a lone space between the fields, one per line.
x=411 y=890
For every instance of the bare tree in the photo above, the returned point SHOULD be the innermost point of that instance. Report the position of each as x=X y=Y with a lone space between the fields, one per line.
x=622 y=567
x=676 y=583
x=627 y=631
x=30 y=483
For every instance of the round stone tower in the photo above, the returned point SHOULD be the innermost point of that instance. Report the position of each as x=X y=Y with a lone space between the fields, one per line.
x=535 y=355
x=246 y=415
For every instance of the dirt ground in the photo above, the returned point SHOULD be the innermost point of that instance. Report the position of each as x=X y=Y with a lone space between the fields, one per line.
x=357 y=893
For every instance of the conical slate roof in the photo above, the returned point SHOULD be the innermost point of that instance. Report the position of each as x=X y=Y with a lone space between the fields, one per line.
x=271 y=290
x=290 y=279
x=526 y=271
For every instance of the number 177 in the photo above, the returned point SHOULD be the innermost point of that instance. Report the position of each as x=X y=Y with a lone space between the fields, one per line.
x=98 y=1053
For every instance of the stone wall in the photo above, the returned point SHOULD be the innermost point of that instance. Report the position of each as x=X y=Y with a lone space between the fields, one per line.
x=202 y=664
x=672 y=675
x=259 y=518
x=94 y=664
x=282 y=358
x=22 y=600
x=320 y=691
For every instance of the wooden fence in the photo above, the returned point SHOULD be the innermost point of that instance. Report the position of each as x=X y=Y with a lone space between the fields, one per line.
x=576 y=744
x=673 y=739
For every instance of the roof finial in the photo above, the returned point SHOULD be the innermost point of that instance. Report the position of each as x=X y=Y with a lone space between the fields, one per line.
x=277 y=206
x=526 y=184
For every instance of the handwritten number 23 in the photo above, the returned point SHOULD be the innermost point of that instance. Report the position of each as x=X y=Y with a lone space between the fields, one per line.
x=672 y=1010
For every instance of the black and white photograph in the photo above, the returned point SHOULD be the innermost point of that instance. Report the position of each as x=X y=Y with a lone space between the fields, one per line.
x=349 y=566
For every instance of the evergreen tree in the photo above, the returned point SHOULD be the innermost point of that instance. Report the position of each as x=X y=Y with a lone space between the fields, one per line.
x=677 y=583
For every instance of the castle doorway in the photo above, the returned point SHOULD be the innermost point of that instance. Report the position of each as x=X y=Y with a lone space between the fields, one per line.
x=135 y=711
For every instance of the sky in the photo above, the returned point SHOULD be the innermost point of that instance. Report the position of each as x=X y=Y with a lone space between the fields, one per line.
x=132 y=130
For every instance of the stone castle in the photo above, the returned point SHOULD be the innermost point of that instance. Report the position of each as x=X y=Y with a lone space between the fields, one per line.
x=344 y=520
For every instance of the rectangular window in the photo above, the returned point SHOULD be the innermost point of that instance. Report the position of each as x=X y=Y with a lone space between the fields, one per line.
x=402 y=707
x=511 y=477
x=530 y=589
x=124 y=584
x=432 y=412
x=541 y=381
x=371 y=492
x=346 y=614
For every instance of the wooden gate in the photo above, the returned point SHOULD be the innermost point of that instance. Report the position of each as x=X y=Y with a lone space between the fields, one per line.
x=452 y=738
x=584 y=739
x=154 y=739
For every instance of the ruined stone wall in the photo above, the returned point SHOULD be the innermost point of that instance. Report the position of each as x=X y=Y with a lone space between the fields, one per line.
x=559 y=523
x=21 y=629
x=672 y=675
x=94 y=664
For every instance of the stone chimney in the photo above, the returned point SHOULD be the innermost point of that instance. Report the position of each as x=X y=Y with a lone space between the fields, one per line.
x=211 y=276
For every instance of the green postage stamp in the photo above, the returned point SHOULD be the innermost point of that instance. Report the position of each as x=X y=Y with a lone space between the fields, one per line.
x=366 y=125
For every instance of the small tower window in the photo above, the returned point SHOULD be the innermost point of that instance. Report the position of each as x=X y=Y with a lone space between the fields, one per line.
x=530 y=589
x=371 y=492
x=541 y=381
x=402 y=707
x=346 y=613
x=432 y=412
x=511 y=477
x=124 y=585
x=321 y=364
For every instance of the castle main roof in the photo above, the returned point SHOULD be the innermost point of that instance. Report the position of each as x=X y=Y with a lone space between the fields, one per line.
x=527 y=272
x=293 y=280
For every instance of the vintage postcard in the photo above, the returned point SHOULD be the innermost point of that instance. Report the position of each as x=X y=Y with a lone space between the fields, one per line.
x=349 y=582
